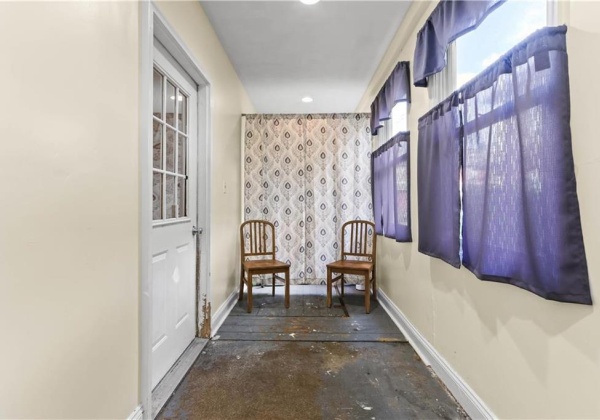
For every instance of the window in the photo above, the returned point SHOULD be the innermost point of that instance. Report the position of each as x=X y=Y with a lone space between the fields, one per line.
x=510 y=136
x=169 y=149
x=399 y=118
x=473 y=52
x=397 y=123
x=504 y=28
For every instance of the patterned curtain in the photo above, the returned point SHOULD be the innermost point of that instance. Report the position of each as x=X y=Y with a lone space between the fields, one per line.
x=307 y=174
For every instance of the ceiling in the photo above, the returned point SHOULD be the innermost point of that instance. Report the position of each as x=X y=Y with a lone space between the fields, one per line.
x=285 y=50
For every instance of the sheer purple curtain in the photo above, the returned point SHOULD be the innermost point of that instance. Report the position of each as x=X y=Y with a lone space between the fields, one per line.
x=395 y=89
x=391 y=188
x=448 y=21
x=389 y=222
x=438 y=172
x=383 y=191
x=377 y=170
x=403 y=231
x=521 y=221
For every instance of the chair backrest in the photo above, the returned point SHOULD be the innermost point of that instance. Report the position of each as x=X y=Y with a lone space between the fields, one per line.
x=359 y=240
x=257 y=238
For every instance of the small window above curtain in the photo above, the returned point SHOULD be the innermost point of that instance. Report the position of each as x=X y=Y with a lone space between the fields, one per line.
x=448 y=21
x=391 y=188
x=395 y=89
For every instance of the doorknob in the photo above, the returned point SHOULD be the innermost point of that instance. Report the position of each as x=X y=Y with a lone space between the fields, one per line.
x=196 y=230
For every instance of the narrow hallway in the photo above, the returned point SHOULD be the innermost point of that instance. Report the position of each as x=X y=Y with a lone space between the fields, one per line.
x=309 y=362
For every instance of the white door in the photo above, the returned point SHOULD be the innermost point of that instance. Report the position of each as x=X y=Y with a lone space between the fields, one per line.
x=174 y=212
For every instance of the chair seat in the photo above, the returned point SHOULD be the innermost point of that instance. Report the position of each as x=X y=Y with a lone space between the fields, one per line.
x=265 y=265
x=350 y=265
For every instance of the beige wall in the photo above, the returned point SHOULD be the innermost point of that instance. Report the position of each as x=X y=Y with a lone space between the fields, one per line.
x=69 y=214
x=524 y=356
x=69 y=278
x=229 y=101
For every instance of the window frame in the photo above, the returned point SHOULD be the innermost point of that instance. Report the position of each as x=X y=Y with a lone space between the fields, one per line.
x=179 y=132
x=442 y=84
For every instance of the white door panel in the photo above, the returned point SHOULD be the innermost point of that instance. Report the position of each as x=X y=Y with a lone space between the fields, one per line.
x=174 y=213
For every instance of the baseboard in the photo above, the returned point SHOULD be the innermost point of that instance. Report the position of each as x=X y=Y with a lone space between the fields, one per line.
x=468 y=399
x=137 y=414
x=219 y=317
x=168 y=384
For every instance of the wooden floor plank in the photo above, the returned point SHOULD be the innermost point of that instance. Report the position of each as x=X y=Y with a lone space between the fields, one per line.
x=308 y=318
x=315 y=337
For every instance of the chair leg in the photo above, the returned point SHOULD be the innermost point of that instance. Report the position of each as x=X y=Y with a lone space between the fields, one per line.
x=374 y=283
x=342 y=280
x=367 y=292
x=328 y=287
x=287 y=288
x=273 y=283
x=241 y=284
x=249 y=291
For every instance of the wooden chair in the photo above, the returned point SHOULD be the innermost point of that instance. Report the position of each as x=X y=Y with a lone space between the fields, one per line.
x=257 y=239
x=358 y=258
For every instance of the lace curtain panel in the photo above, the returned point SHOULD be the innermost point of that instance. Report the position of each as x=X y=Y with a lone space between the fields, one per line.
x=307 y=174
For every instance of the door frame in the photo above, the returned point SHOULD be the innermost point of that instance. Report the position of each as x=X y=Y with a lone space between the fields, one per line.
x=153 y=24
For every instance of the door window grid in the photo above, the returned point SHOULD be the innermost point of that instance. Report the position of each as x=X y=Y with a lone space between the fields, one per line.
x=170 y=146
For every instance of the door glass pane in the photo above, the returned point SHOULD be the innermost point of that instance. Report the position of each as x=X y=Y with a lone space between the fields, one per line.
x=170 y=206
x=157 y=145
x=157 y=95
x=182 y=112
x=157 y=196
x=181 y=154
x=171 y=136
x=181 y=199
x=170 y=117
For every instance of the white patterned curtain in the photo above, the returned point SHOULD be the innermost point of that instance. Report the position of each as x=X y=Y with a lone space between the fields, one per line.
x=307 y=174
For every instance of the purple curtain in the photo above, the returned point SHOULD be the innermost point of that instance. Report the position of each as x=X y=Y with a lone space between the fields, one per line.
x=377 y=170
x=395 y=89
x=521 y=221
x=401 y=168
x=448 y=21
x=438 y=173
x=391 y=188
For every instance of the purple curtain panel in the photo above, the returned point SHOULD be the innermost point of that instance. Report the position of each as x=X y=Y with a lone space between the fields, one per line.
x=438 y=172
x=521 y=213
x=391 y=188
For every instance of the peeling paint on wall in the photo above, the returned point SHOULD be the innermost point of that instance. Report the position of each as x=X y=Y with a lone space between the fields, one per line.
x=206 y=316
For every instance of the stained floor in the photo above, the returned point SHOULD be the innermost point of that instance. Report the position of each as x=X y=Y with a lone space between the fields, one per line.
x=310 y=362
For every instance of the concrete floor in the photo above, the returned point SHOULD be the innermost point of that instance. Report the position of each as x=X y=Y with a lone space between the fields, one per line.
x=310 y=362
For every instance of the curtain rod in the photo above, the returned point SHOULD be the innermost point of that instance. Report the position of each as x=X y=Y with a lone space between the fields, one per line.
x=313 y=113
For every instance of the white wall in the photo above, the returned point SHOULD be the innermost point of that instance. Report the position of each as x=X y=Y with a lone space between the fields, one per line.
x=69 y=214
x=524 y=356
x=69 y=251
x=229 y=101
